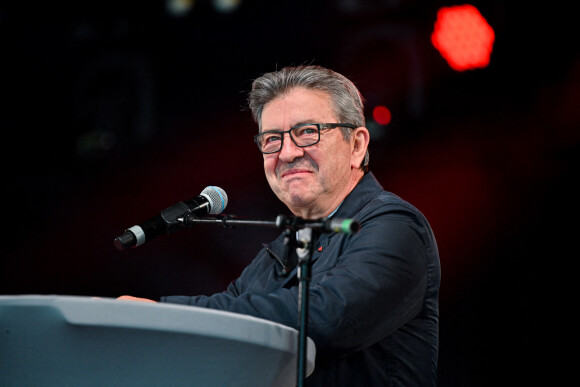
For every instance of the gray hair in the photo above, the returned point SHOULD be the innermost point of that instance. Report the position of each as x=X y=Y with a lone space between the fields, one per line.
x=348 y=103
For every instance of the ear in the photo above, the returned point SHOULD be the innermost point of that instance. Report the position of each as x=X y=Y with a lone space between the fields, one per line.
x=360 y=142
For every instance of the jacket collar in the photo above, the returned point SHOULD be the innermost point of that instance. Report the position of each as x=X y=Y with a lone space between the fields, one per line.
x=365 y=190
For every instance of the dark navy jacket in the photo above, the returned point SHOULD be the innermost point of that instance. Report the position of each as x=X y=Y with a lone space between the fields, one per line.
x=373 y=305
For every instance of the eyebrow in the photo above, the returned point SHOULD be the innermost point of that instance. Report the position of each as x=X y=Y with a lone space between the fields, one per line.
x=303 y=122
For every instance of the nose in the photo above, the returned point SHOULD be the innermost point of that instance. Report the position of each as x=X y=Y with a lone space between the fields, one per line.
x=290 y=151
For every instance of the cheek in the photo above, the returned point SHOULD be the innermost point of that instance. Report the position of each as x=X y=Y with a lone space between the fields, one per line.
x=333 y=163
x=269 y=164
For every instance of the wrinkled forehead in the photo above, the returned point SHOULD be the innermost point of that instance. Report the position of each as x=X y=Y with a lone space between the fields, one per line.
x=297 y=106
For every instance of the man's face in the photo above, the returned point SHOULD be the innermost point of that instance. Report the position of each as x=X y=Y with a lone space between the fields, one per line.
x=311 y=181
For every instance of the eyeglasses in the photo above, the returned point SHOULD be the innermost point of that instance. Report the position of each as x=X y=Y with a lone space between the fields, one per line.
x=303 y=135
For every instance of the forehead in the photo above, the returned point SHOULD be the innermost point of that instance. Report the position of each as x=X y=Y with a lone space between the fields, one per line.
x=299 y=105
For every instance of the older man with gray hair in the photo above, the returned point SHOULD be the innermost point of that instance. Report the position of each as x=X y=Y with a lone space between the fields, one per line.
x=373 y=310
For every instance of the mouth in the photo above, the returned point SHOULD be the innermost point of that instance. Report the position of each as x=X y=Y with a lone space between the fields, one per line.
x=294 y=172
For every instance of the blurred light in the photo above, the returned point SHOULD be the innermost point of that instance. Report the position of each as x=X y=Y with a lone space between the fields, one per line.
x=382 y=115
x=226 y=5
x=179 y=8
x=463 y=37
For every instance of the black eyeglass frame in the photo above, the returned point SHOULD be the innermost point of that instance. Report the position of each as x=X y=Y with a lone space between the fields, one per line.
x=289 y=131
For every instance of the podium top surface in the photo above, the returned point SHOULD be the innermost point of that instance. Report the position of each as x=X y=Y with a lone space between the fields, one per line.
x=205 y=344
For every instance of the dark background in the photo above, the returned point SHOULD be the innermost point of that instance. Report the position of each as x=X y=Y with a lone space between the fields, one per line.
x=113 y=111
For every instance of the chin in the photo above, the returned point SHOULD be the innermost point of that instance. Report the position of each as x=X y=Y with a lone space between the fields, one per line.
x=296 y=195
x=299 y=200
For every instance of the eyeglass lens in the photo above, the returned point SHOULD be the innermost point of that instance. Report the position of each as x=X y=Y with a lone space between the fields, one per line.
x=303 y=135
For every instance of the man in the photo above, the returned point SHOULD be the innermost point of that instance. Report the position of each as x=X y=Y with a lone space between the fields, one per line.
x=373 y=306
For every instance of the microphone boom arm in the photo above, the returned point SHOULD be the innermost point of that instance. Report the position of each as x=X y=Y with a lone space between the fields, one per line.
x=284 y=222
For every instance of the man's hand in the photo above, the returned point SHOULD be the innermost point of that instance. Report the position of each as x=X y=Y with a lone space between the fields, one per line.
x=131 y=298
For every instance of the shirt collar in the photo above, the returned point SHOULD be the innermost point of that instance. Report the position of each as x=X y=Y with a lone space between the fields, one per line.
x=336 y=209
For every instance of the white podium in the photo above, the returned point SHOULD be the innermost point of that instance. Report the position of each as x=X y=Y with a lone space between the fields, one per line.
x=82 y=341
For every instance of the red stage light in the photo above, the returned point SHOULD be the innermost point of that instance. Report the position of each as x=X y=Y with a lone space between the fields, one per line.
x=382 y=115
x=463 y=37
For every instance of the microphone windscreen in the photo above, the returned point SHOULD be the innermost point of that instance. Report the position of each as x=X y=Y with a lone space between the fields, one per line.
x=217 y=197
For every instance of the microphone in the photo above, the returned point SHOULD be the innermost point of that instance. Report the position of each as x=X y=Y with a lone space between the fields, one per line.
x=212 y=200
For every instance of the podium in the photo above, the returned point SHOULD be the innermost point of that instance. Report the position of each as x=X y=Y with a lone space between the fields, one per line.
x=83 y=341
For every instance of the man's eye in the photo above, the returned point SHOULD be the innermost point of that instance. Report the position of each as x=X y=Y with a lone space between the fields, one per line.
x=306 y=130
x=271 y=138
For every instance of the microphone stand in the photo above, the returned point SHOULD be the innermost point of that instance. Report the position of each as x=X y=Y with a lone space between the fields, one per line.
x=308 y=233
x=309 y=239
